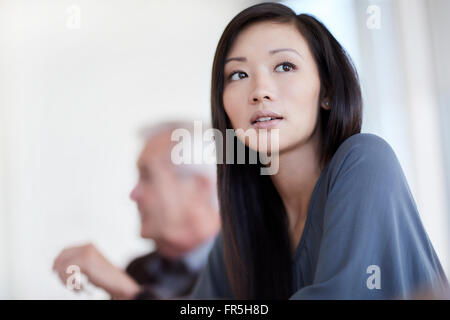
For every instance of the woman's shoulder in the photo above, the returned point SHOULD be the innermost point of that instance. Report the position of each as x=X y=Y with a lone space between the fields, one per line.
x=365 y=157
x=364 y=143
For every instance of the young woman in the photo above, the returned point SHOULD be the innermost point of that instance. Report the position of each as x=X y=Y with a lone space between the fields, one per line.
x=337 y=220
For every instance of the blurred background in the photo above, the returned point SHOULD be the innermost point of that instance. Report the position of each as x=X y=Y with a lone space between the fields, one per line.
x=79 y=78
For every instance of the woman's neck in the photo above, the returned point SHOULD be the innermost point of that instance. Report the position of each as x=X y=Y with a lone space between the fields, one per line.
x=298 y=173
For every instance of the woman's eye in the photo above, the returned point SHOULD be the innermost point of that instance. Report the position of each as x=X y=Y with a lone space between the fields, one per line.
x=237 y=75
x=285 y=67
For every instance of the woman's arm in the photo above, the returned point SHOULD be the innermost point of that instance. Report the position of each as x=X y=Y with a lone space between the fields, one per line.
x=373 y=245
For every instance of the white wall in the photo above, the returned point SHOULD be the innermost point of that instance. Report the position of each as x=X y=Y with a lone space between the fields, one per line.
x=4 y=263
x=438 y=15
x=421 y=99
x=72 y=100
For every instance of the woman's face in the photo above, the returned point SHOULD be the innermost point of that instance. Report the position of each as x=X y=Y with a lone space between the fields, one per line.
x=270 y=72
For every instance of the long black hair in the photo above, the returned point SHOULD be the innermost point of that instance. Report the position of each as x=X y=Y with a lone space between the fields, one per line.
x=256 y=241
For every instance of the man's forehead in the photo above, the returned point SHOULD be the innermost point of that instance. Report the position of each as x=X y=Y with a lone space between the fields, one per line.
x=156 y=149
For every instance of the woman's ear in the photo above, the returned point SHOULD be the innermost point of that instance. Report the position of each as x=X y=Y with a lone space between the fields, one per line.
x=326 y=104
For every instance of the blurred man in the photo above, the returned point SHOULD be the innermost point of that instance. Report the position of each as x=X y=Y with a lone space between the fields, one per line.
x=178 y=210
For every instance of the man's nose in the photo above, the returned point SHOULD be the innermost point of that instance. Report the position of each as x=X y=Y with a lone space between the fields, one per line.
x=134 y=193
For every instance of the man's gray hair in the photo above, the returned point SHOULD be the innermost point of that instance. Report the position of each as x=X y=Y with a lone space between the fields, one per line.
x=204 y=169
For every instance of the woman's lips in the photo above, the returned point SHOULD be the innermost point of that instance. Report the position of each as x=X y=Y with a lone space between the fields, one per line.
x=267 y=124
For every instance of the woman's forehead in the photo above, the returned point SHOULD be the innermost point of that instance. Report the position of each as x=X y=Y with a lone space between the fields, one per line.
x=267 y=36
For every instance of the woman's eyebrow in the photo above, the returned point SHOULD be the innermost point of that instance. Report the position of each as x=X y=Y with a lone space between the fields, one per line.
x=285 y=49
x=243 y=59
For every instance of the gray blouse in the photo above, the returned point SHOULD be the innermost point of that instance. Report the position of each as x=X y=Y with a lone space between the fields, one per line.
x=363 y=236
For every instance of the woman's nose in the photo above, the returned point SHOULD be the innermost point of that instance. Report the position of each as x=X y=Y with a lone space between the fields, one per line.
x=262 y=90
x=260 y=97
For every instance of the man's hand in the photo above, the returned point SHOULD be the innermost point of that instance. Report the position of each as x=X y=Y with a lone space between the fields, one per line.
x=98 y=269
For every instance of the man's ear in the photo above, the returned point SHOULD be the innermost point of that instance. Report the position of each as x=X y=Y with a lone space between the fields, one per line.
x=202 y=183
